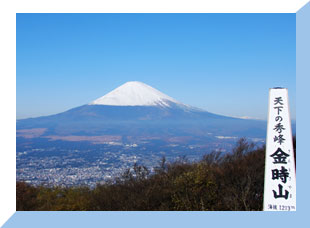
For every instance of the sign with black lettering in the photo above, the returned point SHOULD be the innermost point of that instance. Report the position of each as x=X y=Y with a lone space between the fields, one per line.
x=280 y=174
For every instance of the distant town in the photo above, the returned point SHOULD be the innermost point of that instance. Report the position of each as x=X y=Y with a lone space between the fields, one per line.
x=62 y=163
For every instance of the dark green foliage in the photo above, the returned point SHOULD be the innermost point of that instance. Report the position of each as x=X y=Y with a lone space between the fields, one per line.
x=26 y=197
x=218 y=182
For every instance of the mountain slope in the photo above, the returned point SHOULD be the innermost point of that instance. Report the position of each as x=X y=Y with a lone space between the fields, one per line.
x=138 y=109
x=135 y=94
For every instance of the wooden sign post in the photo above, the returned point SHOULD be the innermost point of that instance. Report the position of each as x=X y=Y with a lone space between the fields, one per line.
x=280 y=174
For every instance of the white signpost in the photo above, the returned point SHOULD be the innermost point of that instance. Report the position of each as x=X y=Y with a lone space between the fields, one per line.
x=280 y=174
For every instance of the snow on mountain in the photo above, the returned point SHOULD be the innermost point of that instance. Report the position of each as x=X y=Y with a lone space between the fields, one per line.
x=136 y=109
x=135 y=93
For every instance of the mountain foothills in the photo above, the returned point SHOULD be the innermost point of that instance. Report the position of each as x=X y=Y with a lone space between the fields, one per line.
x=134 y=123
x=218 y=182
x=136 y=111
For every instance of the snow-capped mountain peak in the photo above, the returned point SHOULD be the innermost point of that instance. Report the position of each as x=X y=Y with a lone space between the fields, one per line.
x=135 y=93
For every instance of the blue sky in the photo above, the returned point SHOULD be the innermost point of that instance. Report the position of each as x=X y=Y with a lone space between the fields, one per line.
x=223 y=63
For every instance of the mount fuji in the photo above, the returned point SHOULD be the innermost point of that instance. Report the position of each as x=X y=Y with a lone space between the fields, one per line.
x=134 y=111
x=135 y=94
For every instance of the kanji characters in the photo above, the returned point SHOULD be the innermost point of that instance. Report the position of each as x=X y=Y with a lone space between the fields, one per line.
x=283 y=174
x=279 y=108
x=280 y=195
x=279 y=139
x=279 y=156
x=279 y=128
x=278 y=100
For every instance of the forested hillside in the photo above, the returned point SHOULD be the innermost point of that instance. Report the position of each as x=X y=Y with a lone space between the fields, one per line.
x=218 y=182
